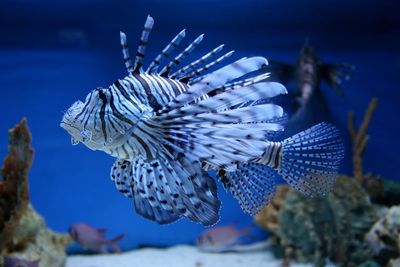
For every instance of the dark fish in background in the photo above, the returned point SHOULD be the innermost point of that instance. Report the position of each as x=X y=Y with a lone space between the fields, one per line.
x=221 y=238
x=303 y=80
x=18 y=262
x=91 y=238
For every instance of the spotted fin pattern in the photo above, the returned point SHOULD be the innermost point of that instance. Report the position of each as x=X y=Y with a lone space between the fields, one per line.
x=252 y=184
x=164 y=190
x=310 y=159
x=122 y=174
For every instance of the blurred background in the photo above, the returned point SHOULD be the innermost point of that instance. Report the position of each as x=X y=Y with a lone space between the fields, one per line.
x=53 y=53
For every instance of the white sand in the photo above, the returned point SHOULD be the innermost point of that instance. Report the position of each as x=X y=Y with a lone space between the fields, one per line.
x=178 y=256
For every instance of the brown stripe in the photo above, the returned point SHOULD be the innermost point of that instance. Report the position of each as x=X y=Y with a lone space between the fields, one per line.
x=143 y=144
x=270 y=154
x=151 y=99
x=278 y=156
x=125 y=94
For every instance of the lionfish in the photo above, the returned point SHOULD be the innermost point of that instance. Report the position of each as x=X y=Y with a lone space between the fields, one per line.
x=168 y=127
x=304 y=79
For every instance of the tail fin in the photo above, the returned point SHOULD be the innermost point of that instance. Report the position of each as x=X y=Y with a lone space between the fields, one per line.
x=310 y=159
x=113 y=243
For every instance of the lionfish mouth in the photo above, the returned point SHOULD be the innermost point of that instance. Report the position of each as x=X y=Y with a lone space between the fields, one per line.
x=70 y=128
x=66 y=125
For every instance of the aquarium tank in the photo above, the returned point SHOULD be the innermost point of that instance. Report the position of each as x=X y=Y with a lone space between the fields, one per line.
x=283 y=152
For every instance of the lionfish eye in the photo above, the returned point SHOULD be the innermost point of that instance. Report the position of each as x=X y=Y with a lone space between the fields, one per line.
x=102 y=94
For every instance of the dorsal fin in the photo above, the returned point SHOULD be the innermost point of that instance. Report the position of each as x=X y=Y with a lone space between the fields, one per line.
x=165 y=71
x=201 y=70
x=243 y=83
x=215 y=80
x=125 y=52
x=166 y=52
x=182 y=71
x=148 y=26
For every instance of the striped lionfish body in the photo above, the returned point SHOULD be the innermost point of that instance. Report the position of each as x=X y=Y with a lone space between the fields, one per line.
x=167 y=126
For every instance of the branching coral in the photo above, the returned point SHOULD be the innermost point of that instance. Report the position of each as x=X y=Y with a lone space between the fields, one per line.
x=360 y=139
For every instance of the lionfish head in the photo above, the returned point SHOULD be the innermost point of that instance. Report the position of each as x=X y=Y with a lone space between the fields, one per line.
x=85 y=121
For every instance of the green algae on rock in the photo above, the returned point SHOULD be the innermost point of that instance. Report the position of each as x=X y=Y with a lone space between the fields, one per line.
x=23 y=232
x=328 y=228
x=336 y=227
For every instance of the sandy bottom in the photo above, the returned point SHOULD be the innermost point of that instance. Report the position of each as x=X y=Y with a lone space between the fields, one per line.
x=178 y=256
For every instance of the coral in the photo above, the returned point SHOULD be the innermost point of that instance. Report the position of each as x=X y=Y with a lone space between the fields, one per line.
x=382 y=191
x=23 y=232
x=360 y=139
x=332 y=227
x=384 y=236
x=33 y=240
x=14 y=196
x=394 y=263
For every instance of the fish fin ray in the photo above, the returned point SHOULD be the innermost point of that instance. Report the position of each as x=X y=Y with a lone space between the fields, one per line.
x=232 y=99
x=253 y=185
x=334 y=74
x=280 y=71
x=215 y=80
x=196 y=75
x=178 y=59
x=310 y=159
x=113 y=243
x=180 y=73
x=125 y=52
x=180 y=189
x=141 y=51
x=133 y=186
x=153 y=67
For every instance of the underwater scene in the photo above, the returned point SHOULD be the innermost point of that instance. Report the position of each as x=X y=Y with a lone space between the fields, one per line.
x=199 y=133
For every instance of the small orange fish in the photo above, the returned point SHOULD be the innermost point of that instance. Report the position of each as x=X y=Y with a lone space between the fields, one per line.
x=91 y=238
x=222 y=238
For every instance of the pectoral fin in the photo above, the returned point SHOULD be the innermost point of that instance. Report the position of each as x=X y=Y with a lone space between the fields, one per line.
x=334 y=74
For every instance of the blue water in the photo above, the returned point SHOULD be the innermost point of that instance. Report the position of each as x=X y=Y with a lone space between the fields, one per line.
x=53 y=54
